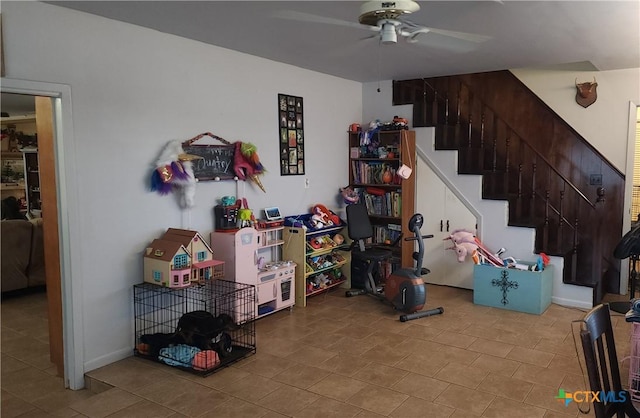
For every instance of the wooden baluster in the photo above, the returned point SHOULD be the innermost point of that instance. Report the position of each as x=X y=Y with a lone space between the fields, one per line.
x=560 y=238
x=469 y=131
x=506 y=176
x=545 y=235
x=518 y=213
x=443 y=130
x=532 y=200
x=458 y=126
x=482 y=130
x=494 y=157
x=519 y=193
x=480 y=157
x=506 y=153
x=574 y=252
x=434 y=107
x=425 y=106
x=459 y=98
x=446 y=108
x=470 y=104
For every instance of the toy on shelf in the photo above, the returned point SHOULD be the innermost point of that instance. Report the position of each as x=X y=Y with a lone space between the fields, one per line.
x=273 y=219
x=323 y=241
x=226 y=214
x=322 y=217
x=349 y=195
x=397 y=124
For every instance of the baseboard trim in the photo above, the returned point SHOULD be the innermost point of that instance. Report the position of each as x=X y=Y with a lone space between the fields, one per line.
x=108 y=359
x=571 y=303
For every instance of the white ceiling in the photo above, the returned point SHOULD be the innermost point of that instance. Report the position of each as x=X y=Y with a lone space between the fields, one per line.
x=574 y=35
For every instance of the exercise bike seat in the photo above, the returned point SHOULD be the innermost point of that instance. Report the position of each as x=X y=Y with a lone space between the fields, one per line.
x=371 y=253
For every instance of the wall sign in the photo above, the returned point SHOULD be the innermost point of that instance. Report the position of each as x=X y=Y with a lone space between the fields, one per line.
x=291 y=129
x=216 y=162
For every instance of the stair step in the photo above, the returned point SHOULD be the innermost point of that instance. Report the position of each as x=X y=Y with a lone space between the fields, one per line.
x=577 y=283
x=523 y=223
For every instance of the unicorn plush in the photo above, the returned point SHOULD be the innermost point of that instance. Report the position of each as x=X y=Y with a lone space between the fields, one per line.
x=464 y=243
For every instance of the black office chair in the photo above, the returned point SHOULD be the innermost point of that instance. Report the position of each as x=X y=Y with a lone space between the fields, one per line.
x=360 y=229
x=602 y=365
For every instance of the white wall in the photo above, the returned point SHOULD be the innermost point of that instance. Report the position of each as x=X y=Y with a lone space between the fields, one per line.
x=133 y=90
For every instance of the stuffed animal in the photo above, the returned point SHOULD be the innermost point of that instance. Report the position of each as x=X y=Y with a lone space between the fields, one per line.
x=463 y=249
x=461 y=235
x=174 y=170
x=323 y=217
x=246 y=163
x=349 y=195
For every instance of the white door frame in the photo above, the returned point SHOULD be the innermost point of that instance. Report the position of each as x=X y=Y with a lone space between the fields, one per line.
x=72 y=312
x=628 y=189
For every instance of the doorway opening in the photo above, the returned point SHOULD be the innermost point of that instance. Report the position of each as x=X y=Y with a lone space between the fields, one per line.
x=30 y=236
x=57 y=166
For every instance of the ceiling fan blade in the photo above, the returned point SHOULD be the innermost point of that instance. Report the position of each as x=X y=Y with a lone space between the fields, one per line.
x=413 y=28
x=471 y=37
x=311 y=18
x=442 y=43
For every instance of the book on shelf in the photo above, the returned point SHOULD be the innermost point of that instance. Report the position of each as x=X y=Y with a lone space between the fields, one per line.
x=370 y=172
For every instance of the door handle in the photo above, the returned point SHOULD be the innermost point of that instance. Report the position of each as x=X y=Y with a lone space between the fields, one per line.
x=447 y=225
x=441 y=225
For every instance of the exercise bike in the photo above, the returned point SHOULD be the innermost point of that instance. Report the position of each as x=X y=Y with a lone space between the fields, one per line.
x=404 y=288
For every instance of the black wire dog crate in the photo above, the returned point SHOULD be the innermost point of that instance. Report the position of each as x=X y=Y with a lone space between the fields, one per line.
x=200 y=329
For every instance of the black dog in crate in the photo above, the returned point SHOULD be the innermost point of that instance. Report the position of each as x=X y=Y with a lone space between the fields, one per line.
x=197 y=329
x=201 y=329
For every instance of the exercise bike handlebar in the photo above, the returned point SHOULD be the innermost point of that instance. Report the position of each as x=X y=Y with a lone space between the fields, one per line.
x=417 y=238
x=415 y=223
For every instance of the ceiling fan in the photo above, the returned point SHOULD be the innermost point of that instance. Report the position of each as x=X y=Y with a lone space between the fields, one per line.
x=388 y=19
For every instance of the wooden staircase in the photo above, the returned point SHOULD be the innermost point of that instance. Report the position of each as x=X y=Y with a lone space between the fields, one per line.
x=553 y=179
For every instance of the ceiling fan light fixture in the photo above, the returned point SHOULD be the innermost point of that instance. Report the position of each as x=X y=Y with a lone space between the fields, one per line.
x=373 y=11
x=388 y=34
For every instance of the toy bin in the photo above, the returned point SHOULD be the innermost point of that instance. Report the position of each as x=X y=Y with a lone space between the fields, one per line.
x=200 y=329
x=512 y=289
x=226 y=217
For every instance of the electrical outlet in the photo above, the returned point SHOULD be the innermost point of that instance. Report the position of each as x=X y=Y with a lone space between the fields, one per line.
x=595 y=180
x=306 y=183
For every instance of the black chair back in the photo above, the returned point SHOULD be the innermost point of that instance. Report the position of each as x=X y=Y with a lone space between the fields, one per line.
x=601 y=361
x=359 y=226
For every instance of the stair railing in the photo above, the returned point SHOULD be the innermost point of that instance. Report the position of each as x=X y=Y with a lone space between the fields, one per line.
x=539 y=163
x=511 y=130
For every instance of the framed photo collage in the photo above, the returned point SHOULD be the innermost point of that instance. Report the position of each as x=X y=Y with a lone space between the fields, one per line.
x=291 y=135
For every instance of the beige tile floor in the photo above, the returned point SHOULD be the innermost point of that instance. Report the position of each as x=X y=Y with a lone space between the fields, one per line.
x=338 y=357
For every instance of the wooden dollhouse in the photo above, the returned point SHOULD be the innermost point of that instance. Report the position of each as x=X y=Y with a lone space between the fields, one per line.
x=167 y=263
x=180 y=258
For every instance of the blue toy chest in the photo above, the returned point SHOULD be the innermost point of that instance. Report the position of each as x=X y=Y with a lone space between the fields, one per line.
x=513 y=289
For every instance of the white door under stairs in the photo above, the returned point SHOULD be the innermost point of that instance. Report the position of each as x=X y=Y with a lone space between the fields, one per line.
x=443 y=213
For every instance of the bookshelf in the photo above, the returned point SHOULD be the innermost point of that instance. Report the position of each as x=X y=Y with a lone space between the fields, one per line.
x=390 y=199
